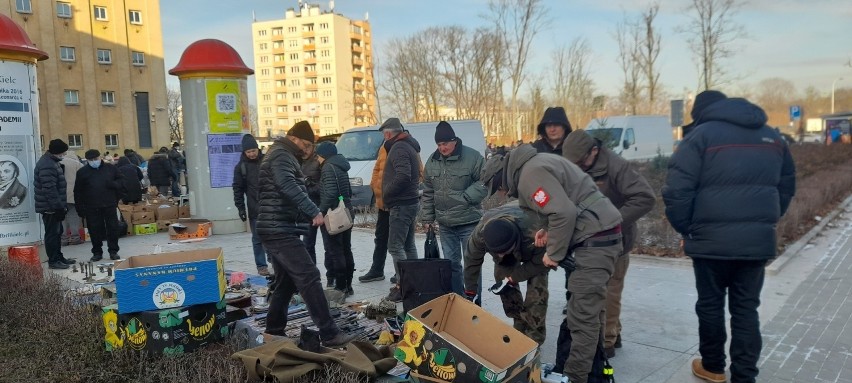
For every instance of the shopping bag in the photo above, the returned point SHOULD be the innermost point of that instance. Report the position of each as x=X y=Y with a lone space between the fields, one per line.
x=422 y=280
x=122 y=224
x=432 y=244
x=338 y=220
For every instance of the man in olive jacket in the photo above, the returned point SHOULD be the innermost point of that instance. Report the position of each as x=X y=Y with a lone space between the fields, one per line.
x=631 y=193
x=452 y=195
x=574 y=216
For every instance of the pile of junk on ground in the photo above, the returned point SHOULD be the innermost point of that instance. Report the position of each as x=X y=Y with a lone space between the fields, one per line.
x=173 y=303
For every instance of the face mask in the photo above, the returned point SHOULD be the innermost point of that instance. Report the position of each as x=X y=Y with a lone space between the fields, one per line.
x=95 y=164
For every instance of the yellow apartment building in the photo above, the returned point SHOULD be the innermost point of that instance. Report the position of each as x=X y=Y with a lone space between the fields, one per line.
x=313 y=65
x=104 y=85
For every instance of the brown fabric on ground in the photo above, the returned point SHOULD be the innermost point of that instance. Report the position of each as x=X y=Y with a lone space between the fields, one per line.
x=286 y=362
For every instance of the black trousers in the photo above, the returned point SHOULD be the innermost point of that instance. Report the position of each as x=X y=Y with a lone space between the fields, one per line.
x=742 y=282
x=339 y=261
x=380 y=251
x=52 y=237
x=294 y=271
x=103 y=224
x=310 y=241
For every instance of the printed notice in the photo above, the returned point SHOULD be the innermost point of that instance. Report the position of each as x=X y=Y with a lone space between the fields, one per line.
x=225 y=106
x=223 y=152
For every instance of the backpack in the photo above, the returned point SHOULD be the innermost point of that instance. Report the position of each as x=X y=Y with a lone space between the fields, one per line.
x=602 y=371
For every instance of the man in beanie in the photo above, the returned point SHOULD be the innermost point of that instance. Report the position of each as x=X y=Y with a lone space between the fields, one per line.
x=98 y=188
x=452 y=195
x=400 y=194
x=178 y=167
x=50 y=201
x=573 y=217
x=334 y=181
x=505 y=233
x=631 y=194
x=284 y=213
x=246 y=195
x=728 y=184
x=552 y=129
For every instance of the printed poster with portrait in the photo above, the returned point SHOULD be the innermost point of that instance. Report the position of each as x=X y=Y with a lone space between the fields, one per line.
x=227 y=106
x=223 y=153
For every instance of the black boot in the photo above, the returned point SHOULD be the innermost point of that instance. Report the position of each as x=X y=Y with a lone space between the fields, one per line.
x=349 y=291
x=340 y=283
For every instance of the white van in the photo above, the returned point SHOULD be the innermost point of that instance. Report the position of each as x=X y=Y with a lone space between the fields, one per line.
x=361 y=147
x=635 y=138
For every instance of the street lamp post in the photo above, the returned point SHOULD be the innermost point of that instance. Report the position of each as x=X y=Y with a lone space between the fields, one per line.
x=833 y=83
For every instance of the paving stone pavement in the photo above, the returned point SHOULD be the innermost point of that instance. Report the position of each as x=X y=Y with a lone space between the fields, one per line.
x=805 y=308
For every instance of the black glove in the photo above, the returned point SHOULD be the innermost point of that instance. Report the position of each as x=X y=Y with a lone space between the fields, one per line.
x=60 y=214
x=243 y=215
x=567 y=263
x=502 y=287
x=81 y=212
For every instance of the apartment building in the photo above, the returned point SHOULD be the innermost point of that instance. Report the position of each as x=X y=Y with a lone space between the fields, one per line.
x=104 y=85
x=313 y=65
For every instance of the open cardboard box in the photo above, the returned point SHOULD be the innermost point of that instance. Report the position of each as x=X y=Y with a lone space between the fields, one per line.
x=190 y=228
x=453 y=340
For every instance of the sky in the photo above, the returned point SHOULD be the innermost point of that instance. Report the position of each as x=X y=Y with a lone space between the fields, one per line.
x=808 y=42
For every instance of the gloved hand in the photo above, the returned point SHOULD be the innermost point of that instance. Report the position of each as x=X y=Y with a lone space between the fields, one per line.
x=60 y=214
x=502 y=287
x=243 y=215
x=81 y=212
x=567 y=263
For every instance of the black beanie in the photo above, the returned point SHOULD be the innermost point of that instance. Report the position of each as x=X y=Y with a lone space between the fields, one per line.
x=175 y=144
x=57 y=147
x=91 y=154
x=326 y=149
x=302 y=129
x=500 y=235
x=249 y=142
x=444 y=132
x=703 y=100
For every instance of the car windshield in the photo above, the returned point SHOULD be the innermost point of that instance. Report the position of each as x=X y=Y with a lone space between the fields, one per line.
x=361 y=145
x=610 y=137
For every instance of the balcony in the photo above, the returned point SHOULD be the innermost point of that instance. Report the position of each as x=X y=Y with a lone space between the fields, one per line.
x=310 y=60
x=357 y=61
x=355 y=36
x=359 y=87
x=281 y=76
x=311 y=73
x=307 y=34
x=309 y=47
x=279 y=50
x=312 y=100
x=357 y=74
x=311 y=86
x=357 y=48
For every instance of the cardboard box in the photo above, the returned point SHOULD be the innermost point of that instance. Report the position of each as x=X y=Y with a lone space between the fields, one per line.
x=183 y=211
x=166 y=212
x=145 y=228
x=143 y=217
x=142 y=207
x=169 y=280
x=128 y=217
x=454 y=340
x=125 y=208
x=163 y=225
x=170 y=331
x=190 y=228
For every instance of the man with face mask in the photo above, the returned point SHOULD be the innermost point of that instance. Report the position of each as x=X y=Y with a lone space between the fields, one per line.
x=98 y=188
x=246 y=192
x=50 y=201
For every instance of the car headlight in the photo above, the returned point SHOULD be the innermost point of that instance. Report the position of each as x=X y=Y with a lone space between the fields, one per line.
x=356 y=181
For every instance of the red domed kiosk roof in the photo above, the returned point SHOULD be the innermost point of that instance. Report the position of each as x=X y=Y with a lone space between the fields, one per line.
x=210 y=55
x=13 y=38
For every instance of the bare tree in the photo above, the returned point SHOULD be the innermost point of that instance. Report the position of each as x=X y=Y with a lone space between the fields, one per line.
x=627 y=38
x=253 y=124
x=175 y=110
x=775 y=95
x=711 y=34
x=573 y=84
x=648 y=52
x=518 y=21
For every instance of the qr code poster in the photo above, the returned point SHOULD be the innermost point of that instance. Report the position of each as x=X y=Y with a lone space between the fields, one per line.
x=225 y=106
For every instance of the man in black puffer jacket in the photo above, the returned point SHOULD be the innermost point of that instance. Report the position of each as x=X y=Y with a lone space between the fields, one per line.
x=246 y=192
x=51 y=201
x=284 y=211
x=729 y=182
x=160 y=171
x=98 y=188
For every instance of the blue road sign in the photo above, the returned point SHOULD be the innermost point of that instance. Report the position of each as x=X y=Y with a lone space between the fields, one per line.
x=795 y=112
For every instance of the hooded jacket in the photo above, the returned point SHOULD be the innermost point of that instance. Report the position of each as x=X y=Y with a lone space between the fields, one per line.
x=312 y=172
x=160 y=170
x=98 y=188
x=284 y=209
x=563 y=199
x=553 y=115
x=452 y=193
x=401 y=176
x=49 y=185
x=131 y=177
x=335 y=183
x=245 y=185
x=70 y=165
x=728 y=184
x=628 y=190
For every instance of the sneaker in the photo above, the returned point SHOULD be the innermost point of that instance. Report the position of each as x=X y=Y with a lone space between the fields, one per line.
x=617 y=341
x=114 y=256
x=371 y=277
x=610 y=352
x=502 y=287
x=57 y=265
x=68 y=261
x=395 y=295
x=340 y=340
x=263 y=271
x=96 y=258
x=699 y=371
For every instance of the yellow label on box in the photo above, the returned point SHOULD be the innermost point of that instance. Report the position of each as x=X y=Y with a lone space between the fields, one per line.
x=145 y=228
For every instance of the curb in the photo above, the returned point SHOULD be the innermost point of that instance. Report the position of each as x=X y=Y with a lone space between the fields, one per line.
x=667 y=261
x=793 y=250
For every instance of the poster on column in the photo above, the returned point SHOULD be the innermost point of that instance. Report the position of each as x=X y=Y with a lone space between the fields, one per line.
x=227 y=103
x=19 y=222
x=223 y=153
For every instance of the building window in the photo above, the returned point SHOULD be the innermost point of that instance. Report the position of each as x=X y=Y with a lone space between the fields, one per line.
x=312 y=94
x=111 y=140
x=104 y=56
x=277 y=31
x=328 y=120
x=324 y=39
x=262 y=46
x=267 y=97
x=75 y=140
x=135 y=17
x=294 y=56
x=264 y=72
x=67 y=54
x=311 y=68
x=323 y=25
x=297 y=108
x=267 y=110
x=280 y=83
x=23 y=6
x=308 y=28
x=267 y=122
x=312 y=80
x=265 y=85
x=282 y=109
x=100 y=13
x=295 y=82
x=264 y=59
x=326 y=66
x=280 y=70
x=295 y=96
x=108 y=97
x=280 y=96
x=63 y=10
x=72 y=97
x=261 y=32
x=326 y=93
x=278 y=58
x=294 y=69
x=291 y=29
x=327 y=106
x=326 y=80
x=293 y=43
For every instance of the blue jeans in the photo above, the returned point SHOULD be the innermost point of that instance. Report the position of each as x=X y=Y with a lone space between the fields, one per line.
x=256 y=245
x=453 y=243
x=401 y=234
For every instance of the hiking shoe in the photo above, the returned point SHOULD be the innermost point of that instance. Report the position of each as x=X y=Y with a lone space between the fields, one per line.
x=68 y=261
x=617 y=341
x=395 y=295
x=339 y=340
x=610 y=352
x=96 y=258
x=699 y=371
x=114 y=256
x=263 y=271
x=57 y=265
x=371 y=277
